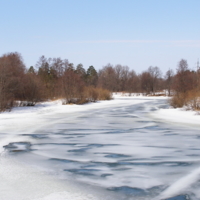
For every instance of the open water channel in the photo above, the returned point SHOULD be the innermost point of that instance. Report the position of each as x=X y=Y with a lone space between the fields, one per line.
x=114 y=150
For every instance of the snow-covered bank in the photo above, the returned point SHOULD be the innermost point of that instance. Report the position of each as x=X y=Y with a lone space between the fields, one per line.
x=174 y=115
x=178 y=115
x=119 y=95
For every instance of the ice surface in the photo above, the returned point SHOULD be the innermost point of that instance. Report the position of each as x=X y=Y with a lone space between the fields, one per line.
x=134 y=147
x=20 y=182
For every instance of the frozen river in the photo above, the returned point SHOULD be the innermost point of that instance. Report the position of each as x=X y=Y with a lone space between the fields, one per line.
x=117 y=149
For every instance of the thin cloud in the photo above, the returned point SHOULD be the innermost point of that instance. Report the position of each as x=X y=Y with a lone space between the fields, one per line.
x=186 y=43
x=177 y=43
x=123 y=41
x=114 y=41
x=136 y=41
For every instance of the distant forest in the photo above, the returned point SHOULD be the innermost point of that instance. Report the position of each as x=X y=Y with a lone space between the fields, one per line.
x=54 y=78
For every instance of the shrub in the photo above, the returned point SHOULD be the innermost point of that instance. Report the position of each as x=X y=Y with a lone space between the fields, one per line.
x=91 y=93
x=178 y=100
x=104 y=94
x=191 y=99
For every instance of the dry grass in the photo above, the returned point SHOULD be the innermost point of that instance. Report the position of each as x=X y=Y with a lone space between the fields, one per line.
x=190 y=99
x=103 y=94
x=178 y=100
x=193 y=100
x=89 y=94
x=95 y=94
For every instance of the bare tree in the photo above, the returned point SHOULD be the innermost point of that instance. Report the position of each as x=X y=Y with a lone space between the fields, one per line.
x=184 y=79
x=155 y=74
x=31 y=89
x=12 y=71
x=107 y=78
x=182 y=66
x=124 y=77
x=58 y=66
x=169 y=80
x=118 y=71
x=72 y=87
x=133 y=83
x=122 y=73
x=145 y=82
x=184 y=85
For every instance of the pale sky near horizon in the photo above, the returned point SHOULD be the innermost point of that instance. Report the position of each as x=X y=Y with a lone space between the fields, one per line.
x=136 y=33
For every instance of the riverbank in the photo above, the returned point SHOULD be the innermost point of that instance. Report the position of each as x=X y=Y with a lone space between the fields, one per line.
x=176 y=115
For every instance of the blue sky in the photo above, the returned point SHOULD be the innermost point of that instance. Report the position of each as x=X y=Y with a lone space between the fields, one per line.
x=136 y=33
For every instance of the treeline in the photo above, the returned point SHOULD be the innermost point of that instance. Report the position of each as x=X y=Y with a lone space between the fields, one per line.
x=119 y=78
x=54 y=78
x=183 y=85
